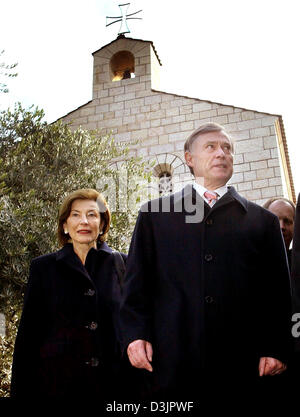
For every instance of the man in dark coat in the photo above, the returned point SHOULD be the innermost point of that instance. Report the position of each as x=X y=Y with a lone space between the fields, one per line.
x=207 y=296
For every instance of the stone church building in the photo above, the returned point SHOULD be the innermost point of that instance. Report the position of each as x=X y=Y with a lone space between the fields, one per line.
x=128 y=103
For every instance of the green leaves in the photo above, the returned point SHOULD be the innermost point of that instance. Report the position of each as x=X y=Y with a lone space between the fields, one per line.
x=40 y=164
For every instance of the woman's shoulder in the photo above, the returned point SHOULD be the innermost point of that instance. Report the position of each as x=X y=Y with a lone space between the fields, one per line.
x=45 y=259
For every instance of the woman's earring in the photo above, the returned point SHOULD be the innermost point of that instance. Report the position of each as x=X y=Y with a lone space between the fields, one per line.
x=66 y=232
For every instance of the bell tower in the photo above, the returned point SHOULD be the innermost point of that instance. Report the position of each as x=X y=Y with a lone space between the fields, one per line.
x=124 y=59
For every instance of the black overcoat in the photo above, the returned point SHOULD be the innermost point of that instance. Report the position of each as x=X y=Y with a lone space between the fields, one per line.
x=212 y=297
x=66 y=343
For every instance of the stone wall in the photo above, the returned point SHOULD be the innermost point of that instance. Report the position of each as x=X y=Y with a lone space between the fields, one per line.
x=132 y=111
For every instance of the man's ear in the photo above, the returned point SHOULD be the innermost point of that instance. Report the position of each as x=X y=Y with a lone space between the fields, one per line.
x=188 y=158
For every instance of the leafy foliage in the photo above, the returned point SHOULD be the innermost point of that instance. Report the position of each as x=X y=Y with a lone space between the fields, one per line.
x=40 y=164
x=6 y=71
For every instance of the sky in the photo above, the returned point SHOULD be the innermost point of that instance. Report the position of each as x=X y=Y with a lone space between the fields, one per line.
x=240 y=53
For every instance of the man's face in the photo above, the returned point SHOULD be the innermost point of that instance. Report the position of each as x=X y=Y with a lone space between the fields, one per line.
x=285 y=213
x=211 y=158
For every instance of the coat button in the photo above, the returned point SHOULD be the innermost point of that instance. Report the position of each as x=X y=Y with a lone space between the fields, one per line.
x=92 y=326
x=208 y=257
x=93 y=362
x=90 y=292
x=209 y=299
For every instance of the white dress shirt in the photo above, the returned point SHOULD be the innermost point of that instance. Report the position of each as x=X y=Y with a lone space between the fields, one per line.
x=201 y=190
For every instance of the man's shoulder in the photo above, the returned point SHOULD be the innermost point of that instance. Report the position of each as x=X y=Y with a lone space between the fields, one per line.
x=252 y=207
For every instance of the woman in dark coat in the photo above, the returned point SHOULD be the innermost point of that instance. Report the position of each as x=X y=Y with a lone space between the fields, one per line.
x=66 y=344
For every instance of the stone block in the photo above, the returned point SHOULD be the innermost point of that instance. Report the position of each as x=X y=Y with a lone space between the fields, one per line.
x=121 y=113
x=260 y=184
x=108 y=115
x=155 y=99
x=236 y=178
x=249 y=124
x=257 y=156
x=274 y=153
x=204 y=105
x=168 y=147
x=156 y=131
x=268 y=192
x=265 y=173
x=244 y=186
x=179 y=146
x=270 y=142
x=135 y=87
x=102 y=109
x=155 y=107
x=240 y=135
x=178 y=136
x=247 y=115
x=258 y=165
x=250 y=145
x=106 y=100
x=166 y=121
x=123 y=137
x=156 y=114
x=235 y=117
x=238 y=159
x=262 y=131
x=145 y=125
x=186 y=109
x=178 y=119
x=140 y=134
x=124 y=97
x=138 y=102
x=275 y=181
x=241 y=167
x=268 y=121
x=224 y=110
x=155 y=123
x=273 y=162
x=222 y=120
x=87 y=111
x=128 y=119
x=192 y=116
x=163 y=139
x=187 y=126
x=253 y=194
x=116 y=106
x=116 y=91
x=173 y=128
x=208 y=113
x=277 y=172
x=250 y=175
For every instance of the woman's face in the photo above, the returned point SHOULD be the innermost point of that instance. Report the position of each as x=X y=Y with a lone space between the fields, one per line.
x=84 y=222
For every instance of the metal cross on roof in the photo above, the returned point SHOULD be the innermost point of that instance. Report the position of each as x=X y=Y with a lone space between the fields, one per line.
x=123 y=18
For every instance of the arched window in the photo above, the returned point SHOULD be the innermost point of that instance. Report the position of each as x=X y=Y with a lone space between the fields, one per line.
x=164 y=174
x=165 y=185
x=122 y=66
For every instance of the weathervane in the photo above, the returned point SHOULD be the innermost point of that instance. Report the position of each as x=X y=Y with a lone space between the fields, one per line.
x=123 y=18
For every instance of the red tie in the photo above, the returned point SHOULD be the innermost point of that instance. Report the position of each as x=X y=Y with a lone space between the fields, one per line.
x=211 y=197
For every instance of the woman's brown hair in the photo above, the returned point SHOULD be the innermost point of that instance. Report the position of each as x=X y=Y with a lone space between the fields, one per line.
x=65 y=210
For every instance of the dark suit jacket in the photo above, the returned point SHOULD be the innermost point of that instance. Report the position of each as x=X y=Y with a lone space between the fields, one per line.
x=66 y=342
x=212 y=297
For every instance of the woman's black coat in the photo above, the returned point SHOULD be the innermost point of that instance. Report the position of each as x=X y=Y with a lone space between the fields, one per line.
x=66 y=343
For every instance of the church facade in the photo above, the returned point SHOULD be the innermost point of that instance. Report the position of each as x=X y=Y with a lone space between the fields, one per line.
x=128 y=104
